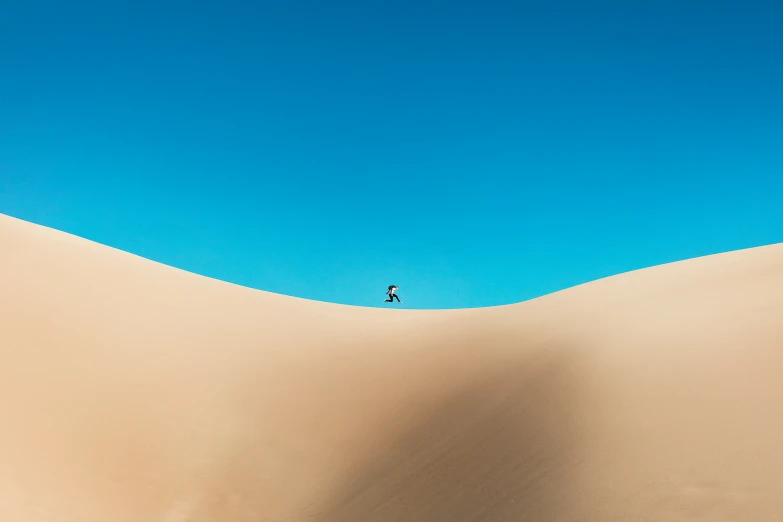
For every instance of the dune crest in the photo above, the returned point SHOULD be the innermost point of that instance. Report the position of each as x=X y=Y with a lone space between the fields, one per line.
x=131 y=391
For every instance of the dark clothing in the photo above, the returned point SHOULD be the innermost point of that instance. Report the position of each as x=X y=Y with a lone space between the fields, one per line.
x=391 y=298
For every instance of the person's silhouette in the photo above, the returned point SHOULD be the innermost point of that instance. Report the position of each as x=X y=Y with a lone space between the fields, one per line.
x=391 y=291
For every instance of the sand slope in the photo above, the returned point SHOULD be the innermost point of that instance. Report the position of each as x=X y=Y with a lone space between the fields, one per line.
x=131 y=391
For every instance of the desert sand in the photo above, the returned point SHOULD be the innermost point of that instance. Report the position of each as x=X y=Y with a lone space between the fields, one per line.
x=133 y=391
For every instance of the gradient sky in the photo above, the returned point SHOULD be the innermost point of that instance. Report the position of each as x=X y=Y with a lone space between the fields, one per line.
x=473 y=153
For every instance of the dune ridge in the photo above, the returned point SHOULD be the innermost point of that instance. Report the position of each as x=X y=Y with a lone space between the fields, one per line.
x=133 y=391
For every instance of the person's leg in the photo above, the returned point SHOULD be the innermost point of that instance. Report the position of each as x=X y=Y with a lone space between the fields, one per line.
x=398 y=298
x=390 y=299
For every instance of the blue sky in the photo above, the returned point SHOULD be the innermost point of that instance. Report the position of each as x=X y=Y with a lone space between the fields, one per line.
x=474 y=153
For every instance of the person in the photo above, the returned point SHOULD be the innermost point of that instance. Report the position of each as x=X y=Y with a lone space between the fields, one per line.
x=391 y=291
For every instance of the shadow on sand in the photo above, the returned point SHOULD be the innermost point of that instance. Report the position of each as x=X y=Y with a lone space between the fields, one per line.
x=500 y=450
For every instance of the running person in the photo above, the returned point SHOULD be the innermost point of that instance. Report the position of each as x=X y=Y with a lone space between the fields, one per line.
x=392 y=295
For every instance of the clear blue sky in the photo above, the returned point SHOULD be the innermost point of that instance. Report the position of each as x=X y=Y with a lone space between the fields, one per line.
x=474 y=153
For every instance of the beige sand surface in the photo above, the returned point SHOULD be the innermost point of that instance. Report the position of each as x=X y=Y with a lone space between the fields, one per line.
x=132 y=392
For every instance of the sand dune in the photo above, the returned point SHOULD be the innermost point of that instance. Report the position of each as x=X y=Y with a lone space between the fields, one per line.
x=132 y=391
